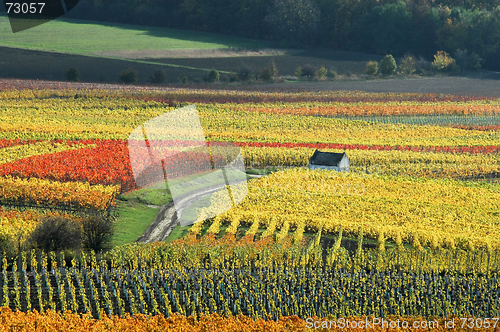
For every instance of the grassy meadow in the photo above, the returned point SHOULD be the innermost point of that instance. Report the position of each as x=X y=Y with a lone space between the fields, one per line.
x=79 y=37
x=48 y=50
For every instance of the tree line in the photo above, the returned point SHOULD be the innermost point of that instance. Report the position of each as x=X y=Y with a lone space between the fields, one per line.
x=419 y=27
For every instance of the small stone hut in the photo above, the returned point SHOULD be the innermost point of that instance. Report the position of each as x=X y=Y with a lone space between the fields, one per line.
x=329 y=161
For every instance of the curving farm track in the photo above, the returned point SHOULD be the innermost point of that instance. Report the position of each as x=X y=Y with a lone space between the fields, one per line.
x=168 y=217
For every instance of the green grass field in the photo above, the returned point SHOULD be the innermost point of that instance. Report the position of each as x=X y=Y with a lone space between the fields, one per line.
x=134 y=214
x=48 y=50
x=79 y=37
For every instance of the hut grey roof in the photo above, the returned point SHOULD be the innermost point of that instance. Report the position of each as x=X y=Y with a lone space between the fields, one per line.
x=326 y=158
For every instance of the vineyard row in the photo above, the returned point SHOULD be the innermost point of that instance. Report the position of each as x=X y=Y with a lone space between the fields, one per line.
x=258 y=293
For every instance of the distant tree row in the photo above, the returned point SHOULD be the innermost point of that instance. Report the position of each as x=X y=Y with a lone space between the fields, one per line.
x=420 y=27
x=408 y=65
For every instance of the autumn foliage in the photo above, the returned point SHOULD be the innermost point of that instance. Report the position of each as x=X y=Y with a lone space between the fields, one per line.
x=62 y=322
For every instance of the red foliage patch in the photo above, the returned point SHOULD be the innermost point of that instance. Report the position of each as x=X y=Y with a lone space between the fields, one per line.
x=109 y=162
x=482 y=128
x=7 y=143
x=448 y=149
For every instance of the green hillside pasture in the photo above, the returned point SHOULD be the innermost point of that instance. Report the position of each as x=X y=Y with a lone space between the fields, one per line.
x=86 y=37
x=31 y=64
x=47 y=51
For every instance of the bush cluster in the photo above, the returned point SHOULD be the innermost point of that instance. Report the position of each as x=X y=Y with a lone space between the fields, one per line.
x=371 y=68
x=58 y=233
x=245 y=74
x=468 y=61
x=409 y=65
x=213 y=75
x=73 y=75
x=128 y=76
x=270 y=73
x=443 y=62
x=158 y=77
x=312 y=72
x=388 y=65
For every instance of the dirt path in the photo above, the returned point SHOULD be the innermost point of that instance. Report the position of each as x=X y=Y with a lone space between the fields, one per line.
x=192 y=53
x=485 y=85
x=168 y=217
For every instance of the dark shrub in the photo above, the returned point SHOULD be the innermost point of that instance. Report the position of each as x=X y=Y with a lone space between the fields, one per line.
x=269 y=73
x=245 y=74
x=388 y=65
x=468 y=61
x=474 y=62
x=97 y=233
x=331 y=74
x=309 y=71
x=158 y=77
x=265 y=75
x=233 y=78
x=72 y=74
x=128 y=75
x=213 y=75
x=56 y=234
x=424 y=67
x=298 y=72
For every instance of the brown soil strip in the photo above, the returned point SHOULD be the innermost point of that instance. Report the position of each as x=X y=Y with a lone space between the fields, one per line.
x=192 y=53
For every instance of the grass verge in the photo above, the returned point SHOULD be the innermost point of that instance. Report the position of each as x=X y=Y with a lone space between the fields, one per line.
x=134 y=215
x=138 y=209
